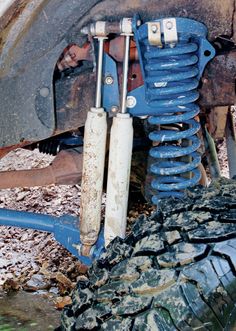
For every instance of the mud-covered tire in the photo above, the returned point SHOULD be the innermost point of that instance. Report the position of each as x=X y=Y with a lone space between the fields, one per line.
x=175 y=271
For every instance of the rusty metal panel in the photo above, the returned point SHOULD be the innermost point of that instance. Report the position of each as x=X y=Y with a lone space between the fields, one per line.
x=74 y=97
x=218 y=87
x=32 y=37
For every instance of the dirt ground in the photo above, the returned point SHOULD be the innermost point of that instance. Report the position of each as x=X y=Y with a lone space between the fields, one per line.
x=32 y=260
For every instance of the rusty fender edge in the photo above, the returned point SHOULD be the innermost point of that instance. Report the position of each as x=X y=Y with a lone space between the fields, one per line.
x=32 y=37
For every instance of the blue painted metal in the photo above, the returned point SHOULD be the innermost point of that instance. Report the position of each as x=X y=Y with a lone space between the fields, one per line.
x=171 y=77
x=110 y=92
x=65 y=230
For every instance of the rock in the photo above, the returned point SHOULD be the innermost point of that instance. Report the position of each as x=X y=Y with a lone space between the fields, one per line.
x=11 y=284
x=61 y=302
x=66 y=282
x=36 y=283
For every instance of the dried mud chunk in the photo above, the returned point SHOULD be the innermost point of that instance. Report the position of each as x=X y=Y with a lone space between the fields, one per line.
x=172 y=237
x=81 y=298
x=131 y=305
x=116 y=251
x=153 y=281
x=228 y=217
x=145 y=226
x=89 y=319
x=98 y=277
x=68 y=319
x=130 y=269
x=207 y=204
x=154 y=320
x=204 y=275
x=152 y=244
x=172 y=300
x=174 y=206
x=220 y=265
x=116 y=324
x=106 y=292
x=181 y=254
x=195 y=302
x=228 y=250
x=212 y=232
x=229 y=283
x=182 y=221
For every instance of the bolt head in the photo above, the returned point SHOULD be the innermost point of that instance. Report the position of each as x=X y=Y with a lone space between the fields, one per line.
x=109 y=80
x=44 y=92
x=154 y=28
x=131 y=102
x=169 y=25
x=114 y=109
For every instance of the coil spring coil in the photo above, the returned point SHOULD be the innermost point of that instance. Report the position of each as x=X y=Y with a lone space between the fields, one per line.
x=171 y=81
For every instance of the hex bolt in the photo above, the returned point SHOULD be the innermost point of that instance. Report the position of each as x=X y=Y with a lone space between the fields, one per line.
x=44 y=92
x=154 y=28
x=114 y=109
x=138 y=22
x=131 y=102
x=169 y=25
x=109 y=80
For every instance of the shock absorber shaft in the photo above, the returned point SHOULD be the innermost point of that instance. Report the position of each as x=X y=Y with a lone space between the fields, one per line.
x=99 y=72
x=120 y=153
x=93 y=163
x=125 y=75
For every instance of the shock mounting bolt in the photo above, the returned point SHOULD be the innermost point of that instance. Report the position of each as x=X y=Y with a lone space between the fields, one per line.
x=114 y=109
x=169 y=25
x=44 y=92
x=131 y=102
x=109 y=80
x=138 y=22
x=154 y=28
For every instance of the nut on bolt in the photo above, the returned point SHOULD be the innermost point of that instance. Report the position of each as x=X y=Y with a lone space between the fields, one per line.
x=154 y=28
x=95 y=29
x=169 y=25
x=109 y=80
x=131 y=102
x=114 y=109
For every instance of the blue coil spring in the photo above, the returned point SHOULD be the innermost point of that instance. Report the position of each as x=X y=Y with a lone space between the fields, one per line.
x=171 y=81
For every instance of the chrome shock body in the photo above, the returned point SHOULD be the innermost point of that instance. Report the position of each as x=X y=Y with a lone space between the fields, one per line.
x=172 y=63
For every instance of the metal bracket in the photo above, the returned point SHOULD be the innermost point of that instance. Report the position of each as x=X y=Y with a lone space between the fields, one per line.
x=110 y=96
x=170 y=31
x=64 y=228
x=126 y=26
x=154 y=34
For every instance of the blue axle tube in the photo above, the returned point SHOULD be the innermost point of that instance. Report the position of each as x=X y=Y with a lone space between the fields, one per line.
x=65 y=230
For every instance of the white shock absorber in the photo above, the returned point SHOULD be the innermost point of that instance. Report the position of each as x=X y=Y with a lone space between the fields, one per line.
x=120 y=154
x=93 y=162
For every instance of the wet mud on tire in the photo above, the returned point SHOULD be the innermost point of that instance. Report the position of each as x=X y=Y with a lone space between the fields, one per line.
x=175 y=271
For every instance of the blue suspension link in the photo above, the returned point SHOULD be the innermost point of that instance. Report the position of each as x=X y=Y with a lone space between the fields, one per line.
x=171 y=74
